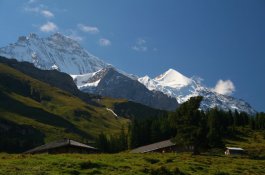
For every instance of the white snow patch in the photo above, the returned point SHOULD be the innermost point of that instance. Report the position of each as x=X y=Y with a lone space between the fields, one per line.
x=108 y=109
x=93 y=84
x=55 y=67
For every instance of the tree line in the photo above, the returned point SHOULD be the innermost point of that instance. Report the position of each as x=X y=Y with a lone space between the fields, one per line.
x=187 y=126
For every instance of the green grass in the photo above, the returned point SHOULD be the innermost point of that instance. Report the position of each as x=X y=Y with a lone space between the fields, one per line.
x=144 y=164
x=129 y=164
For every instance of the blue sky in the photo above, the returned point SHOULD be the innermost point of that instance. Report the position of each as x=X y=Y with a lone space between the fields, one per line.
x=215 y=40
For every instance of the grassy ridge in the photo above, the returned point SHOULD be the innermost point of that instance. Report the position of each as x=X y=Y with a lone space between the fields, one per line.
x=56 y=113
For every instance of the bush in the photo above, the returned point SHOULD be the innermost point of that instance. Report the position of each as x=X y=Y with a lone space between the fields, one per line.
x=89 y=165
x=152 y=161
x=73 y=172
x=160 y=171
x=164 y=171
x=177 y=171
x=221 y=173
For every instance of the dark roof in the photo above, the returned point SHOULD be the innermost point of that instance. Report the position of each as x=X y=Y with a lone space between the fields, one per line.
x=59 y=143
x=153 y=147
x=234 y=149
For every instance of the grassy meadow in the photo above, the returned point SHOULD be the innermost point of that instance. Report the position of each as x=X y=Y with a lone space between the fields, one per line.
x=129 y=164
x=214 y=162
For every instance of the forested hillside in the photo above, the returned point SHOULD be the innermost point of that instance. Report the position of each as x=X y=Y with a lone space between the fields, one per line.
x=188 y=126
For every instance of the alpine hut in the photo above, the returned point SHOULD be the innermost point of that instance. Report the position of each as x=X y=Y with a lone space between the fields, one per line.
x=63 y=146
x=165 y=146
x=234 y=151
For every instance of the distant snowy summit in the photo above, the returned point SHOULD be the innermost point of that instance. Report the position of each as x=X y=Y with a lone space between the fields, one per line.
x=176 y=85
x=54 y=52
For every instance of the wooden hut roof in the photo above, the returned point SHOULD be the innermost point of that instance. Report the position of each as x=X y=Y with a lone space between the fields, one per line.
x=153 y=147
x=234 y=148
x=59 y=143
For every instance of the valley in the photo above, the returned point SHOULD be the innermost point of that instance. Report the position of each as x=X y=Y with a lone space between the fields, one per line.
x=132 y=87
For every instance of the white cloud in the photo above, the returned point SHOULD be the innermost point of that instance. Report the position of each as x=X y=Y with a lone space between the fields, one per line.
x=38 y=9
x=88 y=29
x=104 y=42
x=140 y=45
x=49 y=27
x=225 y=87
x=47 y=13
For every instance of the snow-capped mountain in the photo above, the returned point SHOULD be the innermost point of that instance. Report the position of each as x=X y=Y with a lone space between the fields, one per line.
x=176 y=85
x=89 y=72
x=95 y=76
x=54 y=52
x=117 y=84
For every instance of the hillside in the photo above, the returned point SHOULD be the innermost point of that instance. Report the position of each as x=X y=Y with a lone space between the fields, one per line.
x=52 y=77
x=31 y=107
x=38 y=106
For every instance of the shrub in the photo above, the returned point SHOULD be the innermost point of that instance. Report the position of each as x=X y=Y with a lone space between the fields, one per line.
x=160 y=171
x=89 y=165
x=152 y=161
x=221 y=173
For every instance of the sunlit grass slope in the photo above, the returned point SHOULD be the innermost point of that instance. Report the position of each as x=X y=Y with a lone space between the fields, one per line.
x=55 y=113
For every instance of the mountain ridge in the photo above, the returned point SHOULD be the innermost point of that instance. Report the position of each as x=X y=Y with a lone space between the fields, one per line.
x=112 y=83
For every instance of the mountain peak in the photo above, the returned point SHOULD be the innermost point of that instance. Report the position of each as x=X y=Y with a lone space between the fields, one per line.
x=57 y=49
x=176 y=85
x=173 y=79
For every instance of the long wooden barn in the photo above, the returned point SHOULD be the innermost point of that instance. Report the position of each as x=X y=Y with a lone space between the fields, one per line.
x=63 y=146
x=164 y=146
